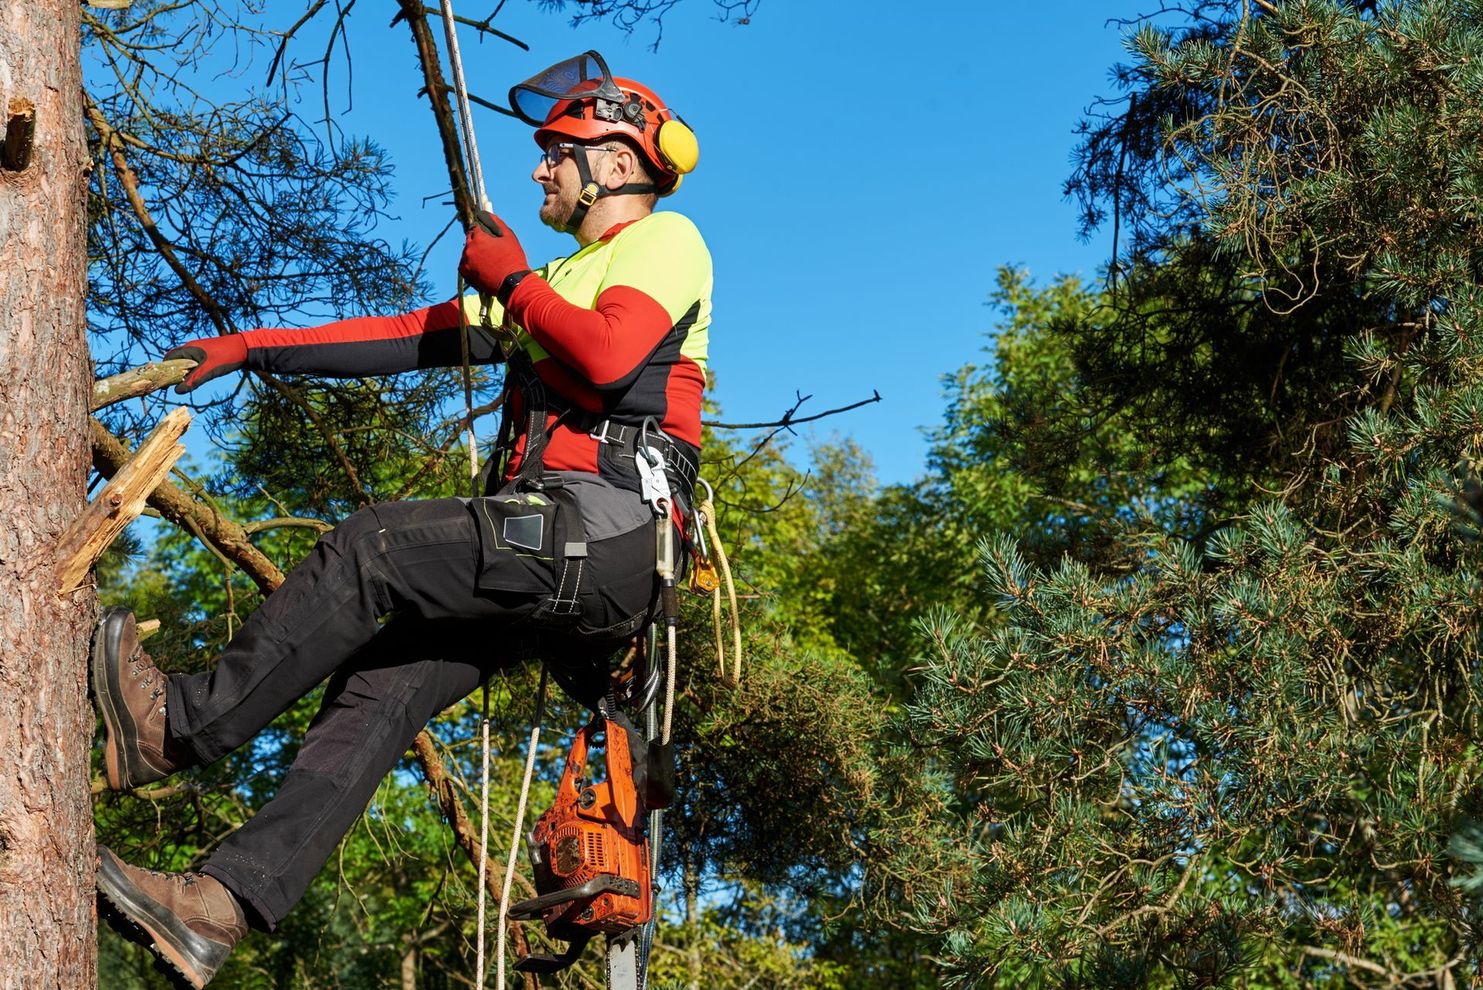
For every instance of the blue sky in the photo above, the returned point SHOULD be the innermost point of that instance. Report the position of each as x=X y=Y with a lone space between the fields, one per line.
x=864 y=170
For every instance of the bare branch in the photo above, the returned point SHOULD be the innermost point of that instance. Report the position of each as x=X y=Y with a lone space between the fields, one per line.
x=287 y=522
x=481 y=26
x=789 y=420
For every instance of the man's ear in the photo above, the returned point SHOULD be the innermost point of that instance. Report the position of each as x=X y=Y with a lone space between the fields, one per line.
x=624 y=167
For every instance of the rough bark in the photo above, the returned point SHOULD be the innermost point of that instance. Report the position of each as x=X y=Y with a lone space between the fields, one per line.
x=46 y=725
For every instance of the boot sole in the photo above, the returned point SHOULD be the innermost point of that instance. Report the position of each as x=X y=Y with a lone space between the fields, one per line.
x=192 y=958
x=124 y=926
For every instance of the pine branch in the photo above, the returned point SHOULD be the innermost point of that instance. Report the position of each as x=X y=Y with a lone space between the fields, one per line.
x=437 y=95
x=138 y=381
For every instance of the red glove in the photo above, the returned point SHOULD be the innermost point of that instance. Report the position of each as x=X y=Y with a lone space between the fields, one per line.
x=214 y=357
x=493 y=260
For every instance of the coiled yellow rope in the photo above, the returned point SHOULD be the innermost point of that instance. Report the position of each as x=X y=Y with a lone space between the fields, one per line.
x=707 y=513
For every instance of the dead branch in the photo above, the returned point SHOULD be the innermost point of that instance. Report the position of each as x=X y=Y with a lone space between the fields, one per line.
x=285 y=36
x=479 y=101
x=138 y=381
x=120 y=501
x=788 y=420
x=110 y=454
x=483 y=27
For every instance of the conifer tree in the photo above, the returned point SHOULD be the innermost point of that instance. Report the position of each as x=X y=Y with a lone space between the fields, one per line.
x=1234 y=749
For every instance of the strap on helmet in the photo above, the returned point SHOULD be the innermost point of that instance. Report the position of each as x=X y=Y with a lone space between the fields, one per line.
x=592 y=191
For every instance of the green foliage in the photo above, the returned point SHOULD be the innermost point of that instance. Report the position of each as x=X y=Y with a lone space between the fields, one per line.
x=1226 y=733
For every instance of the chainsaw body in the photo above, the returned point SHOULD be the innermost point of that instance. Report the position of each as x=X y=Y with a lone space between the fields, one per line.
x=589 y=851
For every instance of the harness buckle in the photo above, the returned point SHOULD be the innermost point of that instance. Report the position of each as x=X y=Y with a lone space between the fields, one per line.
x=600 y=432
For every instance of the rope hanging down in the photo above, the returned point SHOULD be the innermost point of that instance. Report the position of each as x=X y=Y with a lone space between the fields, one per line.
x=476 y=171
x=504 y=897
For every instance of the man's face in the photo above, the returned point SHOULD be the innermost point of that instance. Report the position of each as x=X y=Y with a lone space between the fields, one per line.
x=561 y=182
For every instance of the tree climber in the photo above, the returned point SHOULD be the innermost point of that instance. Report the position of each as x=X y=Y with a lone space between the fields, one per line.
x=408 y=606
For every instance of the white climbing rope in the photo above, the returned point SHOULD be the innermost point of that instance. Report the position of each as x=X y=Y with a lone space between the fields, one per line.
x=530 y=765
x=476 y=171
x=465 y=113
x=483 y=840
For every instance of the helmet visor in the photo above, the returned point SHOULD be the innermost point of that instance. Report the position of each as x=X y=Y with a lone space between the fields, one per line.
x=584 y=75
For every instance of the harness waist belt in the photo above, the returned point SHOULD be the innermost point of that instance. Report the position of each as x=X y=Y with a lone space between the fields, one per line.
x=681 y=460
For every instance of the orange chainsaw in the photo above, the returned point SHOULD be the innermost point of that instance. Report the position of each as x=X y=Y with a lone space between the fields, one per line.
x=590 y=851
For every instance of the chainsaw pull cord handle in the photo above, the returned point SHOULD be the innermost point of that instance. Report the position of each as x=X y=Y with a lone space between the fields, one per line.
x=504 y=897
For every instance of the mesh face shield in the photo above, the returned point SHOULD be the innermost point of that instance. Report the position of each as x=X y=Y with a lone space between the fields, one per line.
x=584 y=76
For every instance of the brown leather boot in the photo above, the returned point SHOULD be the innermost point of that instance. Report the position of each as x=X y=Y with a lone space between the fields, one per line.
x=130 y=694
x=191 y=920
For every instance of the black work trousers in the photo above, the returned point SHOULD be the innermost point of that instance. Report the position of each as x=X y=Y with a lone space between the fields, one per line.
x=389 y=607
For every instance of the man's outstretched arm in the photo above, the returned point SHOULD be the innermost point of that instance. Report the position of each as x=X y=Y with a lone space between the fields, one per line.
x=355 y=348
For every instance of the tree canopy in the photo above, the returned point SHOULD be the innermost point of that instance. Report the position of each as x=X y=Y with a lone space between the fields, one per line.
x=1164 y=673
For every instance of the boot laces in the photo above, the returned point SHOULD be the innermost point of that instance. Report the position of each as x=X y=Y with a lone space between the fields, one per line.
x=182 y=879
x=148 y=675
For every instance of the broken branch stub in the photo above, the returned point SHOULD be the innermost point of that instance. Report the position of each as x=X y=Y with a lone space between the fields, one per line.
x=139 y=381
x=120 y=501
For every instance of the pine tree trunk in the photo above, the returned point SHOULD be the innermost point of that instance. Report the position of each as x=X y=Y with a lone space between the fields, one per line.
x=46 y=725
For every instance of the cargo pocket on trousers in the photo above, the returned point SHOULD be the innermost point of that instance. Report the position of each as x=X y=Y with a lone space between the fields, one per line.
x=517 y=539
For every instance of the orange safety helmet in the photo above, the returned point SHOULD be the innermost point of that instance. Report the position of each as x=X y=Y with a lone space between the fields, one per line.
x=580 y=99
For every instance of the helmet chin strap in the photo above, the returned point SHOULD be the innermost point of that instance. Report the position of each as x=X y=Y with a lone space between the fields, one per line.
x=592 y=191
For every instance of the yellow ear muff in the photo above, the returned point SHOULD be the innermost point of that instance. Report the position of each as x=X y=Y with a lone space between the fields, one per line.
x=677 y=146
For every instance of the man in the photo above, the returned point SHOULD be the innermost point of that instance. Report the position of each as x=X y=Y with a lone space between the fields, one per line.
x=407 y=607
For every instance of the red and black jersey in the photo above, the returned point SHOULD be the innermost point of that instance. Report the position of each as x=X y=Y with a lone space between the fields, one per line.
x=616 y=332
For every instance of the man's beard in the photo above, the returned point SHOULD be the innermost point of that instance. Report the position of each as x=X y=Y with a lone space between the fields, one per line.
x=556 y=213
